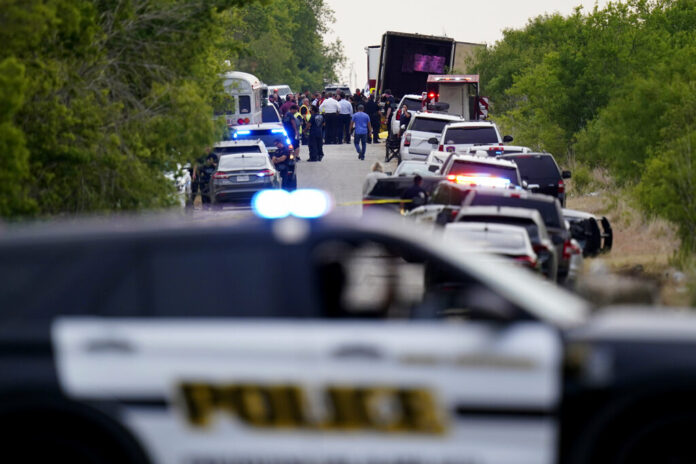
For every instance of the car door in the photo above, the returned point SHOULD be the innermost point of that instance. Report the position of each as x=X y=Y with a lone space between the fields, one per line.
x=367 y=382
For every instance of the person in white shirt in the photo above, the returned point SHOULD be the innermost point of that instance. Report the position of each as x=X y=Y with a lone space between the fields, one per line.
x=330 y=109
x=372 y=178
x=345 y=111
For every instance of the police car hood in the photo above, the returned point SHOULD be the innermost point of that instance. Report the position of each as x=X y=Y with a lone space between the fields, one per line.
x=639 y=323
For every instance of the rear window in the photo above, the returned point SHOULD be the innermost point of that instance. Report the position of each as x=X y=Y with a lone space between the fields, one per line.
x=447 y=194
x=471 y=135
x=239 y=149
x=244 y=104
x=429 y=125
x=389 y=189
x=496 y=239
x=462 y=167
x=528 y=224
x=239 y=162
x=548 y=210
x=412 y=103
x=536 y=167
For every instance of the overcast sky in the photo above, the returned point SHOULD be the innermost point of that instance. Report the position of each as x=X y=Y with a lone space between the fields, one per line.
x=360 y=23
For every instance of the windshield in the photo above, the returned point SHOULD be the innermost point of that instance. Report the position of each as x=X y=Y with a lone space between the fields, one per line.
x=412 y=103
x=228 y=163
x=434 y=126
x=464 y=168
x=471 y=135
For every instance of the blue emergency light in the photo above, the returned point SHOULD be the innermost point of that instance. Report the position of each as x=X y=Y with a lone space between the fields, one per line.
x=304 y=203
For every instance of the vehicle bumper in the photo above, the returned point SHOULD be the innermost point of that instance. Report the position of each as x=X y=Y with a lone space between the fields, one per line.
x=232 y=193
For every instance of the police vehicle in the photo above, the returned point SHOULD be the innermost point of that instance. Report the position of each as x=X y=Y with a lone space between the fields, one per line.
x=304 y=340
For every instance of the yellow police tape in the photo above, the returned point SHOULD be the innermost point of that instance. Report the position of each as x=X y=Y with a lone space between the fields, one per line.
x=373 y=202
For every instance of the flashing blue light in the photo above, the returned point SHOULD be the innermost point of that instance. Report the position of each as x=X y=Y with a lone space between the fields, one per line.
x=234 y=135
x=305 y=204
x=242 y=132
x=288 y=141
x=279 y=131
x=309 y=204
x=271 y=204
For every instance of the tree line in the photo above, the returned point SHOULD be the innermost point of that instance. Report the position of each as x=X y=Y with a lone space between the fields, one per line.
x=99 y=98
x=613 y=87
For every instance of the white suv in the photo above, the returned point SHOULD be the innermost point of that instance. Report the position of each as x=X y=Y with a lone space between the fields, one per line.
x=416 y=141
x=463 y=136
x=414 y=104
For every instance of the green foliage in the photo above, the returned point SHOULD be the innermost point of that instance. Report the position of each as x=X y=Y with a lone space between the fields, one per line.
x=614 y=88
x=99 y=98
x=282 y=43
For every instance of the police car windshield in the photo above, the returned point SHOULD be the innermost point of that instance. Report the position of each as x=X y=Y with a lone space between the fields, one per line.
x=470 y=135
x=241 y=162
x=463 y=167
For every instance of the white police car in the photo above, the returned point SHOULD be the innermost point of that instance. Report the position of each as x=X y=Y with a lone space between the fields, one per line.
x=318 y=341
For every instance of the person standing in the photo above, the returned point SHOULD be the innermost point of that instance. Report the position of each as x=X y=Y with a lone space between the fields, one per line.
x=346 y=113
x=330 y=109
x=282 y=159
x=205 y=175
x=286 y=106
x=372 y=178
x=372 y=110
x=363 y=130
x=292 y=129
x=316 y=131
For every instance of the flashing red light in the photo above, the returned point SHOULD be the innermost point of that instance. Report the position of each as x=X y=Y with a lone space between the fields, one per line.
x=441 y=148
x=240 y=121
x=431 y=95
x=247 y=120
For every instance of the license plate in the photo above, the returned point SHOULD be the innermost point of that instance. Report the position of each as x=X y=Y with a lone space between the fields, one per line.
x=242 y=178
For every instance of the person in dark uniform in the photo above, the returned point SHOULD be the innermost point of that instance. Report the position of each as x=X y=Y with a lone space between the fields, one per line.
x=372 y=110
x=404 y=120
x=316 y=129
x=284 y=161
x=205 y=174
x=415 y=193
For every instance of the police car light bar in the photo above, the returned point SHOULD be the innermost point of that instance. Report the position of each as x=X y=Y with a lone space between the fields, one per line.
x=479 y=179
x=279 y=131
x=304 y=203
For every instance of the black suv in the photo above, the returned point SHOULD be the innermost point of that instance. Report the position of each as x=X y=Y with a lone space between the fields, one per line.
x=542 y=174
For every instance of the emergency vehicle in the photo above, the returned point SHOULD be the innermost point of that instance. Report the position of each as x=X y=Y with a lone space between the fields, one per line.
x=320 y=340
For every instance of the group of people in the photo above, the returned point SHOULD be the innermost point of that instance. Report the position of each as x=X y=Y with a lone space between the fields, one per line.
x=328 y=118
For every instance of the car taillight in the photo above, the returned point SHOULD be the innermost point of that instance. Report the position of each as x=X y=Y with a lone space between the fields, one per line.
x=567 y=249
x=265 y=173
x=561 y=186
x=526 y=260
x=441 y=148
x=220 y=175
x=407 y=139
x=539 y=248
x=240 y=121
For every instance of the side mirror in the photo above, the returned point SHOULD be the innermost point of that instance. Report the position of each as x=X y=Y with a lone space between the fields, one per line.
x=433 y=141
x=389 y=173
x=525 y=184
x=566 y=175
x=533 y=187
x=507 y=139
x=433 y=168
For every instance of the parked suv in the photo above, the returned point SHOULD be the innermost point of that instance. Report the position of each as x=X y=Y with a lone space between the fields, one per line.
x=414 y=104
x=462 y=136
x=541 y=173
x=416 y=142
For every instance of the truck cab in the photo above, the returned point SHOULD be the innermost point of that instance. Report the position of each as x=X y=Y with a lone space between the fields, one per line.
x=460 y=92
